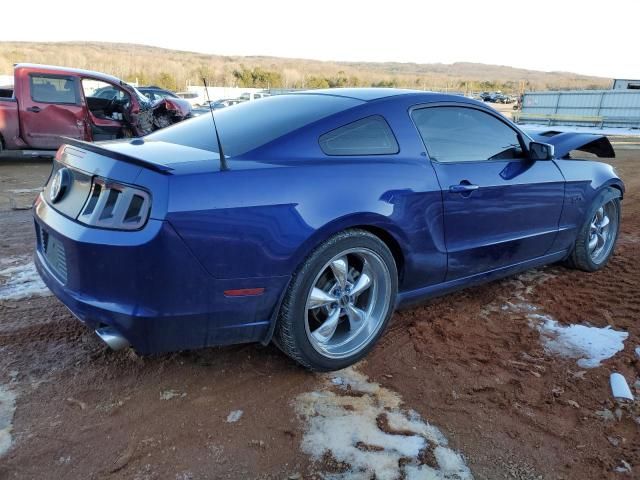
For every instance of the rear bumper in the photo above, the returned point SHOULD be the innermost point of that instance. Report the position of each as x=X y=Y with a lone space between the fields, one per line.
x=149 y=287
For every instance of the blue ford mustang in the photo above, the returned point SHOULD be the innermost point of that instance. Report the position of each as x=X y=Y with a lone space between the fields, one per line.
x=327 y=210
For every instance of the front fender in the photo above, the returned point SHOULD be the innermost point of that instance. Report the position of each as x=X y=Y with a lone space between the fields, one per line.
x=584 y=181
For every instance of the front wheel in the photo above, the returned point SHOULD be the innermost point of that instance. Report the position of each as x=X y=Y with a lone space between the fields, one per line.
x=339 y=302
x=597 y=238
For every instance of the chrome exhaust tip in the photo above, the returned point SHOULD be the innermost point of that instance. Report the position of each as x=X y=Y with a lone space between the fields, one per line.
x=112 y=338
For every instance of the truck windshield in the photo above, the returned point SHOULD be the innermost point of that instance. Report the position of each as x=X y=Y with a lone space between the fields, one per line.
x=143 y=99
x=249 y=125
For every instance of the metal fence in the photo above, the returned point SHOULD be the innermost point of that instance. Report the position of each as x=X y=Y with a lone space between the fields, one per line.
x=592 y=108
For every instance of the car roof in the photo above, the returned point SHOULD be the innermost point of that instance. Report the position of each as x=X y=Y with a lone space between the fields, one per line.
x=52 y=69
x=374 y=93
x=364 y=94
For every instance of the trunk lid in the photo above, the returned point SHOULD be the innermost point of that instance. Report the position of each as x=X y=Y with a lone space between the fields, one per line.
x=161 y=157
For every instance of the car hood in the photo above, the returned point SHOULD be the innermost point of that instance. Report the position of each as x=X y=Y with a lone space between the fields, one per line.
x=180 y=106
x=565 y=142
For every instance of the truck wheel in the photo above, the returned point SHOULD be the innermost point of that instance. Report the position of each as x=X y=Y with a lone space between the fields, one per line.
x=597 y=238
x=339 y=302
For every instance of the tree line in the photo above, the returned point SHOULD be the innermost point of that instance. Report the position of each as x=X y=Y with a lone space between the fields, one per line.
x=176 y=70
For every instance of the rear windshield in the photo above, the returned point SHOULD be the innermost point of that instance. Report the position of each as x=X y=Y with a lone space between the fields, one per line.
x=250 y=125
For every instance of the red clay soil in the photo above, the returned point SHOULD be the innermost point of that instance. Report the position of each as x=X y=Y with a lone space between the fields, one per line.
x=476 y=371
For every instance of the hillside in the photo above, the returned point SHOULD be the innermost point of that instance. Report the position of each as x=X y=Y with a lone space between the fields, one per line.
x=176 y=69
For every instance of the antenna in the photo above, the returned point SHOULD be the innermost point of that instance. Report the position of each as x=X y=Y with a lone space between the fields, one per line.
x=223 y=160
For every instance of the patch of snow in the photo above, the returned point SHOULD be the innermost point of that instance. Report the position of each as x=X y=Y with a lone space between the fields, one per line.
x=234 y=416
x=590 y=345
x=637 y=352
x=363 y=425
x=170 y=394
x=7 y=407
x=21 y=281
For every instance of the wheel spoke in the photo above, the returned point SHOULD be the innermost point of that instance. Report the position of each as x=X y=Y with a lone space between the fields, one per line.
x=319 y=298
x=599 y=213
x=340 y=268
x=593 y=243
x=364 y=280
x=356 y=317
x=325 y=331
x=604 y=222
x=601 y=240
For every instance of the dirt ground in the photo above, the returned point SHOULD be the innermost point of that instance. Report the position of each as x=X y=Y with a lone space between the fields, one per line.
x=469 y=363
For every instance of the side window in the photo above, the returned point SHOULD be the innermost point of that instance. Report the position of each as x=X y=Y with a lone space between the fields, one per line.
x=368 y=136
x=459 y=134
x=50 y=89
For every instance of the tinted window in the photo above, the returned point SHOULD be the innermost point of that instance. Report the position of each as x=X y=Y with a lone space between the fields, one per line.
x=369 y=136
x=50 y=89
x=458 y=134
x=250 y=125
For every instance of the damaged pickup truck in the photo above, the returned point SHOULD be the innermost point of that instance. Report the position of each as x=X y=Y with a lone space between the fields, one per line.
x=48 y=103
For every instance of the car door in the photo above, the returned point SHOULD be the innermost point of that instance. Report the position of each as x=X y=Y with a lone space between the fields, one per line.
x=51 y=109
x=104 y=102
x=500 y=207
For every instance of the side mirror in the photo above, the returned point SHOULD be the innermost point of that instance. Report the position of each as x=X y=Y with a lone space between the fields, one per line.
x=541 y=151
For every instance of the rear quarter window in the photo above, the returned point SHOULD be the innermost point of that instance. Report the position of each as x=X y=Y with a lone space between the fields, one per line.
x=250 y=125
x=368 y=136
x=53 y=89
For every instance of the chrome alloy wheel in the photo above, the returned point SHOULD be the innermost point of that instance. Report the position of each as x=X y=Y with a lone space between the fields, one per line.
x=602 y=232
x=348 y=302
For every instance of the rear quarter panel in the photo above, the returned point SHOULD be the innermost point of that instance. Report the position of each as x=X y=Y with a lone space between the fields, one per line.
x=263 y=222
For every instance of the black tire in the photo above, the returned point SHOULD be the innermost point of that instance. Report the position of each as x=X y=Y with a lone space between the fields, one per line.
x=291 y=334
x=580 y=257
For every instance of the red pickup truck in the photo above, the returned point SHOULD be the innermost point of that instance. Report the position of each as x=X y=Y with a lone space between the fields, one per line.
x=47 y=103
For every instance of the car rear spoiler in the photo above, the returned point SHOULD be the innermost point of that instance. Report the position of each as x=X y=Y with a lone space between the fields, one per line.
x=103 y=150
x=565 y=142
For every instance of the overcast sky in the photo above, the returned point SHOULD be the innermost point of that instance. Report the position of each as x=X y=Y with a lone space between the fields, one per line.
x=597 y=38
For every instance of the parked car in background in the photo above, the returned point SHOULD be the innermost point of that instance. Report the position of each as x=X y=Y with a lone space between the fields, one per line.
x=48 y=103
x=216 y=105
x=502 y=98
x=192 y=97
x=222 y=103
x=156 y=93
x=249 y=96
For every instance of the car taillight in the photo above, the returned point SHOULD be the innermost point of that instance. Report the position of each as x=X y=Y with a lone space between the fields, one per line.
x=115 y=206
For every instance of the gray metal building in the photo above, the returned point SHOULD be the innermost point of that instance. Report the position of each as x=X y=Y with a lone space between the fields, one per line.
x=591 y=108
x=626 y=84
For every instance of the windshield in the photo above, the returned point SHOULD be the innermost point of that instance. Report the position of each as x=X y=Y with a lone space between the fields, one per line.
x=139 y=95
x=249 y=125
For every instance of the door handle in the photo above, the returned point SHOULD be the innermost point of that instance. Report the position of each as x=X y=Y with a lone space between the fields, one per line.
x=34 y=109
x=463 y=188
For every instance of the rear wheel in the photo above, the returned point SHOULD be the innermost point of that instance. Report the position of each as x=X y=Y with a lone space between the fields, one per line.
x=339 y=302
x=598 y=236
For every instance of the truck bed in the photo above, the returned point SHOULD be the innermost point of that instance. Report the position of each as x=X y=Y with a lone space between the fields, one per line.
x=6 y=91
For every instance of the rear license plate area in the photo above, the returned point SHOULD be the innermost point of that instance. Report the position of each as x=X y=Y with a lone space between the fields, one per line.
x=54 y=253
